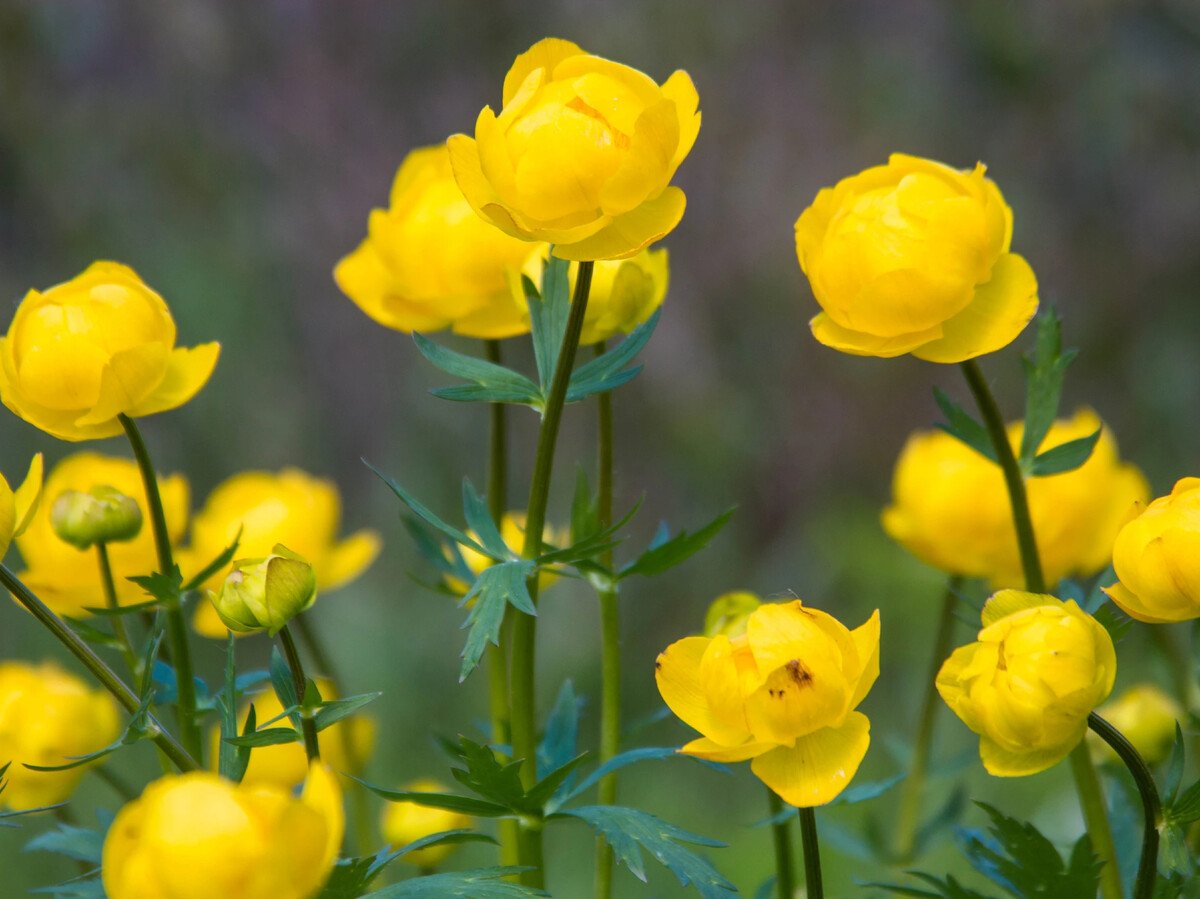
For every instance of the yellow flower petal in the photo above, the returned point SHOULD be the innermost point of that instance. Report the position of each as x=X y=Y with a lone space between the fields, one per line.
x=680 y=89
x=627 y=234
x=1001 y=762
x=704 y=748
x=188 y=370
x=819 y=766
x=857 y=343
x=685 y=684
x=646 y=167
x=127 y=380
x=28 y=496
x=1008 y=602
x=545 y=54
x=348 y=559
x=1129 y=603
x=866 y=641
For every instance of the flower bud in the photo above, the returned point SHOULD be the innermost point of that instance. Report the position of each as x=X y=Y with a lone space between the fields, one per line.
x=1027 y=686
x=728 y=614
x=101 y=515
x=265 y=594
x=1146 y=716
x=403 y=822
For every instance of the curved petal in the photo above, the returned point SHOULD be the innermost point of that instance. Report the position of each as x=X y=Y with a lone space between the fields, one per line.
x=1129 y=603
x=1001 y=762
x=819 y=766
x=128 y=379
x=627 y=234
x=28 y=495
x=999 y=312
x=858 y=343
x=468 y=172
x=1003 y=603
x=188 y=370
x=681 y=677
x=866 y=640
x=207 y=623
x=646 y=167
x=348 y=559
x=545 y=54
x=680 y=90
x=370 y=285
x=704 y=748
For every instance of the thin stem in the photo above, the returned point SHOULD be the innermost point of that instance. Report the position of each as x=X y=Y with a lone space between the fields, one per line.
x=524 y=728
x=1087 y=784
x=908 y=816
x=177 y=634
x=785 y=878
x=98 y=668
x=309 y=728
x=1143 y=885
x=812 y=854
x=110 y=600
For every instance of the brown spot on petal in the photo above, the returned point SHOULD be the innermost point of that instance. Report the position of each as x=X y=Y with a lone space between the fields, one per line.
x=801 y=675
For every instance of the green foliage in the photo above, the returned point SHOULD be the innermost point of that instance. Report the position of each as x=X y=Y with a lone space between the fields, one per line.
x=5 y=817
x=608 y=372
x=665 y=552
x=549 y=309
x=482 y=883
x=352 y=877
x=331 y=711
x=494 y=590
x=216 y=565
x=490 y=383
x=961 y=425
x=79 y=843
x=166 y=588
x=1064 y=457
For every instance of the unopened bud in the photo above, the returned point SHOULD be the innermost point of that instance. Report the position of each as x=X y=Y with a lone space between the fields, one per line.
x=265 y=594
x=101 y=515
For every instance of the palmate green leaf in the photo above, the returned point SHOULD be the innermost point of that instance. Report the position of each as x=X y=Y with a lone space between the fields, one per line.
x=18 y=813
x=481 y=883
x=494 y=589
x=490 y=382
x=467 y=804
x=426 y=514
x=352 y=877
x=608 y=372
x=948 y=888
x=487 y=776
x=560 y=738
x=480 y=520
x=165 y=588
x=80 y=843
x=1044 y=372
x=1064 y=457
x=665 y=555
x=961 y=425
x=549 y=309
x=628 y=831
x=589 y=547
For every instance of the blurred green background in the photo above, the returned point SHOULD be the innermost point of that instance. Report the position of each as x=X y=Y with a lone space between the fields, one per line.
x=231 y=151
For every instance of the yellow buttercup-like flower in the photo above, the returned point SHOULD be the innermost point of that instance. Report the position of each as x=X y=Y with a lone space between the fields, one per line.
x=950 y=507
x=429 y=262
x=1155 y=557
x=1146 y=716
x=293 y=508
x=67 y=578
x=100 y=345
x=1027 y=686
x=783 y=693
x=47 y=717
x=512 y=532
x=623 y=295
x=404 y=822
x=17 y=507
x=582 y=153
x=913 y=257
x=196 y=836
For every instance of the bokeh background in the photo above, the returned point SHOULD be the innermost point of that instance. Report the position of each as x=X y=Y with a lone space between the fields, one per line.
x=231 y=151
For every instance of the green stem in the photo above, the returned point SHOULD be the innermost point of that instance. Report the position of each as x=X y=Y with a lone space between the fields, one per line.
x=311 y=748
x=785 y=878
x=524 y=728
x=812 y=855
x=908 y=816
x=110 y=600
x=177 y=634
x=1143 y=885
x=1087 y=784
x=97 y=667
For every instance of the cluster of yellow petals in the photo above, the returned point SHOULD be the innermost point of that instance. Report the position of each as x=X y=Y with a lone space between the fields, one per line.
x=782 y=693
x=405 y=822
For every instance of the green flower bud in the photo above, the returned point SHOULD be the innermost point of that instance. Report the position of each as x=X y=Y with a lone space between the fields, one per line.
x=728 y=614
x=101 y=515
x=265 y=594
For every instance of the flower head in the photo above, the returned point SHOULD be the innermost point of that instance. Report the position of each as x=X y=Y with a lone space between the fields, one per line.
x=913 y=257
x=405 y=822
x=98 y=346
x=582 y=153
x=194 y=836
x=265 y=594
x=783 y=693
x=102 y=514
x=1146 y=717
x=1028 y=684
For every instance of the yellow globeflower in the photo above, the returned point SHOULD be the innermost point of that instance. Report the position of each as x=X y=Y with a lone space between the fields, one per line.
x=1155 y=556
x=1028 y=684
x=582 y=153
x=913 y=257
x=1146 y=716
x=404 y=822
x=47 y=717
x=67 y=578
x=265 y=594
x=17 y=507
x=950 y=507
x=345 y=745
x=512 y=532
x=623 y=295
x=429 y=262
x=196 y=836
x=783 y=693
x=100 y=345
x=293 y=508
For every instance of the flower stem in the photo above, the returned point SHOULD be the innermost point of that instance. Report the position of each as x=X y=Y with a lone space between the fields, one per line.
x=181 y=656
x=785 y=878
x=98 y=668
x=311 y=748
x=812 y=855
x=1143 y=885
x=610 y=635
x=110 y=600
x=908 y=816
x=1087 y=784
x=524 y=728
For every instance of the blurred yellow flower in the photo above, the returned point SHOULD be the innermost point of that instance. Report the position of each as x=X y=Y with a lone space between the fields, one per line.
x=512 y=532
x=17 y=507
x=47 y=717
x=196 y=836
x=404 y=822
x=293 y=508
x=99 y=345
x=729 y=612
x=429 y=262
x=1146 y=716
x=582 y=153
x=1038 y=669
x=67 y=578
x=783 y=694
x=265 y=594
x=950 y=507
x=913 y=257
x=1155 y=558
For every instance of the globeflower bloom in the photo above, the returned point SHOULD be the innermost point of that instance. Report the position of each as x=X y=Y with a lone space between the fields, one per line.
x=17 y=507
x=1028 y=684
x=429 y=262
x=265 y=594
x=98 y=346
x=195 y=836
x=783 y=693
x=405 y=822
x=290 y=507
x=913 y=257
x=582 y=153
x=68 y=578
x=1155 y=557
x=48 y=717
x=950 y=507
x=1146 y=716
